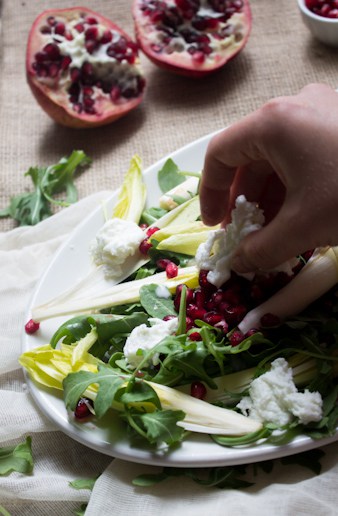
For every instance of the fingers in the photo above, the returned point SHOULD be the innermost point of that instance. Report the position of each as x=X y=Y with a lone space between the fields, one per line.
x=226 y=152
x=285 y=237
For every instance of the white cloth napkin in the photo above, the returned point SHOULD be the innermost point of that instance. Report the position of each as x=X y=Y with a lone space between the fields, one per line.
x=24 y=253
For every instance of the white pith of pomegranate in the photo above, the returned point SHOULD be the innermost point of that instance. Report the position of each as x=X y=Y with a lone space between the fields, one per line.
x=82 y=68
x=192 y=37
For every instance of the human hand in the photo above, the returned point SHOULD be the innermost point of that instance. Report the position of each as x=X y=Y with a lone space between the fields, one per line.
x=285 y=157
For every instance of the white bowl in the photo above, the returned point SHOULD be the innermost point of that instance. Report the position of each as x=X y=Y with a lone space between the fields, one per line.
x=323 y=29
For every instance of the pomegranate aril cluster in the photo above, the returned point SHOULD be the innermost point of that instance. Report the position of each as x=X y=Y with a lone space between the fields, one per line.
x=88 y=81
x=190 y=24
x=222 y=308
x=325 y=8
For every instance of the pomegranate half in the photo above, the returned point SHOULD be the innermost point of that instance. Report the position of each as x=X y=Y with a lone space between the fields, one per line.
x=83 y=69
x=192 y=37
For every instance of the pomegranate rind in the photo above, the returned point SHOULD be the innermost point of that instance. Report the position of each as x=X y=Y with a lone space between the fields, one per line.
x=181 y=62
x=53 y=99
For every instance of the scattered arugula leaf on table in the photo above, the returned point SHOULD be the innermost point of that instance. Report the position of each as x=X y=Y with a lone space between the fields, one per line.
x=17 y=458
x=83 y=483
x=231 y=477
x=29 y=208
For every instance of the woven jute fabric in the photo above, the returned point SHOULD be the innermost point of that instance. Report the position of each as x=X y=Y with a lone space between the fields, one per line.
x=280 y=58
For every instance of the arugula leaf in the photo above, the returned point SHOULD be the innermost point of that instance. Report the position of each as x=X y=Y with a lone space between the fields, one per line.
x=310 y=460
x=111 y=330
x=82 y=510
x=139 y=392
x=29 y=208
x=169 y=176
x=17 y=458
x=150 y=215
x=229 y=477
x=154 y=305
x=109 y=383
x=83 y=483
x=159 y=426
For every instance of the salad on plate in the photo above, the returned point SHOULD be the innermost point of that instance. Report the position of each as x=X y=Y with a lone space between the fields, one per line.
x=162 y=334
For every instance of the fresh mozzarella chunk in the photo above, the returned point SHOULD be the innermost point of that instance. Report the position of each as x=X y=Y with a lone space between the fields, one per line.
x=114 y=243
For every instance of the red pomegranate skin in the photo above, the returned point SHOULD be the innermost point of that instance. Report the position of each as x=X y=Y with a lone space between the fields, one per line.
x=93 y=106
x=192 y=37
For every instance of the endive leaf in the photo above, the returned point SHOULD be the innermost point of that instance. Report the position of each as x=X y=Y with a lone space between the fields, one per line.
x=132 y=196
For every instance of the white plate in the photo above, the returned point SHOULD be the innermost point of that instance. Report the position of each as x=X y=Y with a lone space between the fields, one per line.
x=109 y=437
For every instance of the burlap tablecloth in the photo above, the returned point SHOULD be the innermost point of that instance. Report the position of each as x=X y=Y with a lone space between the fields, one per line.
x=279 y=59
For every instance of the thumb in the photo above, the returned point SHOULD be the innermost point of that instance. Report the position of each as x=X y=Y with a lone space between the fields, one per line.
x=275 y=243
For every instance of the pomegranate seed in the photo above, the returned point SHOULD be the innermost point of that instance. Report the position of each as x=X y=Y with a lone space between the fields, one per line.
x=234 y=314
x=75 y=75
x=189 y=323
x=82 y=409
x=52 y=51
x=223 y=307
x=106 y=37
x=223 y=326
x=195 y=336
x=203 y=281
x=212 y=318
x=171 y=270
x=88 y=102
x=251 y=332
x=268 y=320
x=87 y=70
x=177 y=299
x=90 y=110
x=232 y=297
x=195 y=313
x=131 y=58
x=40 y=57
x=87 y=90
x=150 y=231
x=31 y=327
x=53 y=70
x=91 y=33
x=115 y=93
x=144 y=246
x=199 y=23
x=199 y=298
x=60 y=28
x=169 y=317
x=236 y=338
x=65 y=63
x=198 y=390
x=91 y=20
x=212 y=23
x=162 y=263
x=91 y=45
x=79 y=27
